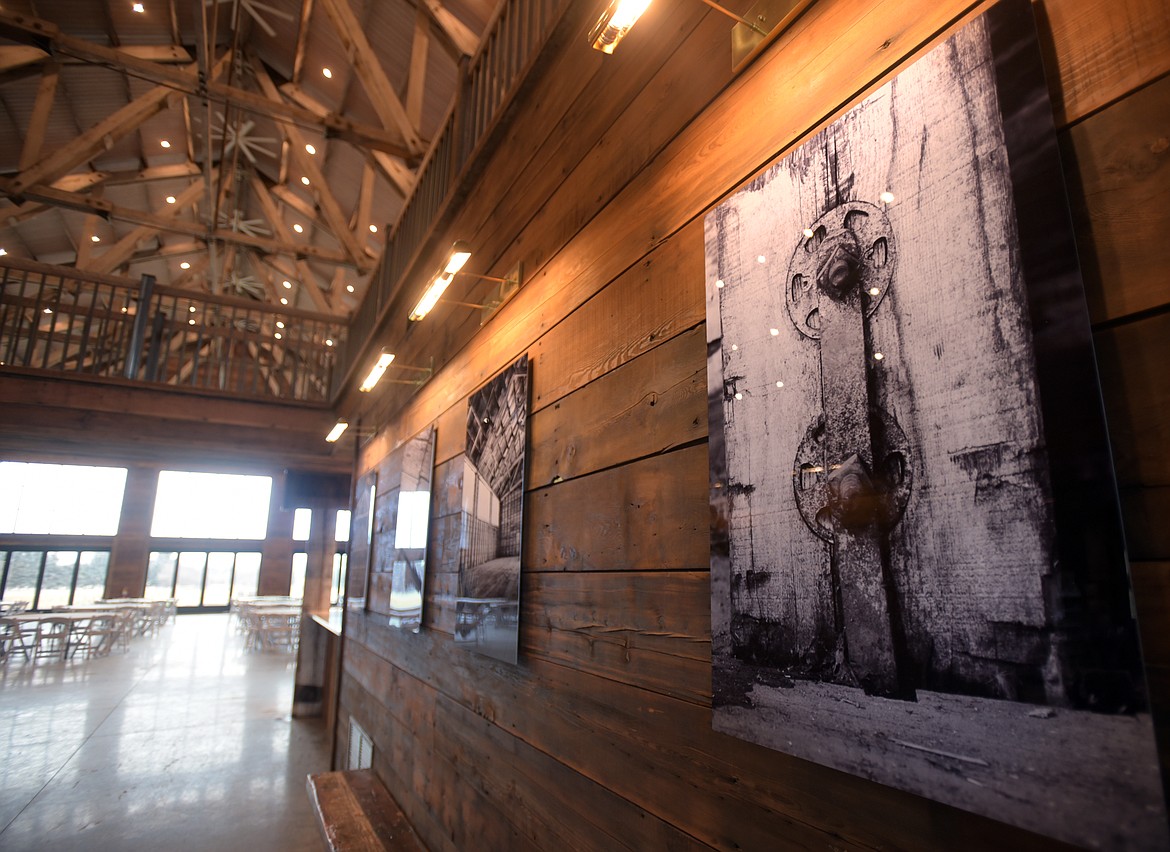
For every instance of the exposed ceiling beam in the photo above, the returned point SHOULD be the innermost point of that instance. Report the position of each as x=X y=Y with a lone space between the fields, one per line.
x=34 y=139
x=121 y=251
x=289 y=198
x=47 y=34
x=302 y=39
x=417 y=76
x=369 y=70
x=313 y=288
x=13 y=56
x=330 y=209
x=88 y=204
x=396 y=172
x=461 y=36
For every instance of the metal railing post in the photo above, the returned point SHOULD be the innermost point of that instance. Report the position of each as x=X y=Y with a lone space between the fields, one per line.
x=141 y=318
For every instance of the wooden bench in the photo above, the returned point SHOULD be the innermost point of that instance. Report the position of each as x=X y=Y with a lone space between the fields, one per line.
x=356 y=813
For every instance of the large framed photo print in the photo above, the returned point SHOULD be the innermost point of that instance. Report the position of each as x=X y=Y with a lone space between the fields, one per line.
x=918 y=574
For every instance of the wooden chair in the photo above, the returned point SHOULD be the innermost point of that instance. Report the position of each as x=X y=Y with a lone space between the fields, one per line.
x=100 y=635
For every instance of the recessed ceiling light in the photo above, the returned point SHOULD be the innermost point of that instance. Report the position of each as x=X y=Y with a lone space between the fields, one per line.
x=328 y=342
x=328 y=74
x=287 y=285
x=48 y=310
x=3 y=252
x=304 y=180
x=373 y=229
x=279 y=324
x=170 y=199
x=310 y=149
x=284 y=301
x=278 y=335
x=165 y=144
x=95 y=239
x=184 y=265
x=297 y=227
x=138 y=7
x=349 y=288
x=191 y=308
x=190 y=322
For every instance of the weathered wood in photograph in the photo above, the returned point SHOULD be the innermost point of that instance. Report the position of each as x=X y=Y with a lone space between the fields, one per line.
x=402 y=513
x=899 y=376
x=487 y=609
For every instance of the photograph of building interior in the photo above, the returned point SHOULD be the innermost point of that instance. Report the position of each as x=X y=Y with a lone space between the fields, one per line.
x=249 y=250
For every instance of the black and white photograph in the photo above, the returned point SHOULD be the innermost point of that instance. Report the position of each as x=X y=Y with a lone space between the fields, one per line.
x=401 y=519
x=361 y=540
x=918 y=574
x=487 y=608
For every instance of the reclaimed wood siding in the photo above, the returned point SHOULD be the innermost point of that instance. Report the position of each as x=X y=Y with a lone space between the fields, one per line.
x=601 y=737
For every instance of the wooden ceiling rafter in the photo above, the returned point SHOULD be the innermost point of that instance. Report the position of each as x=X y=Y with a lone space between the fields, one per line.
x=185 y=81
x=326 y=201
x=34 y=139
x=416 y=77
x=368 y=69
x=459 y=35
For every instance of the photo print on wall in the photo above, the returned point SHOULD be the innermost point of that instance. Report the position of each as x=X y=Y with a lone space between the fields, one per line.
x=918 y=574
x=402 y=510
x=487 y=608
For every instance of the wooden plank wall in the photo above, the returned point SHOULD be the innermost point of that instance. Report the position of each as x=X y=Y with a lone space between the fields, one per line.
x=600 y=738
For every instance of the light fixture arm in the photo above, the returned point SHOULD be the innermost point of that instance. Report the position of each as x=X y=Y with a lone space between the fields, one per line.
x=735 y=17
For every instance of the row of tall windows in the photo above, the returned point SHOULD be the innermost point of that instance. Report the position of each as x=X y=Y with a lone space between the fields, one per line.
x=76 y=500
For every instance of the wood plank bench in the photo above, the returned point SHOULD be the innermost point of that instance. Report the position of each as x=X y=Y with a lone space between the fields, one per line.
x=356 y=813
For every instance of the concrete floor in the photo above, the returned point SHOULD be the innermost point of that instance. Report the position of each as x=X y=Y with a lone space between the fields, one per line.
x=184 y=742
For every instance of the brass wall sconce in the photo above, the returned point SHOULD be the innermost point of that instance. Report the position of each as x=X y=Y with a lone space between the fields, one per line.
x=385 y=359
x=458 y=256
x=751 y=33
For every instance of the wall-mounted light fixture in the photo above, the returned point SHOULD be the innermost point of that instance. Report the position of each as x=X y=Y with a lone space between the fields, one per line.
x=458 y=256
x=337 y=431
x=382 y=364
x=375 y=375
x=766 y=20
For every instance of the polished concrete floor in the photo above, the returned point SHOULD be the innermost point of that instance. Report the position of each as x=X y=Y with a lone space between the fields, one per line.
x=182 y=743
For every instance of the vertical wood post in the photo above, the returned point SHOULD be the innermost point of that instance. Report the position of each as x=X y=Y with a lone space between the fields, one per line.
x=131 y=549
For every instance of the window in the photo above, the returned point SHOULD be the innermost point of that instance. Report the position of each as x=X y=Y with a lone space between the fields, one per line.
x=47 y=578
x=202 y=579
x=60 y=499
x=211 y=505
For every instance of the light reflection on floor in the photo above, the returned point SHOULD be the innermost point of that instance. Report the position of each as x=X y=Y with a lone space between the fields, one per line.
x=184 y=742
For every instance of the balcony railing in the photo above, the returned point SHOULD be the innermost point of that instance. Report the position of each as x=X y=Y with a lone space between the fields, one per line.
x=71 y=322
x=488 y=82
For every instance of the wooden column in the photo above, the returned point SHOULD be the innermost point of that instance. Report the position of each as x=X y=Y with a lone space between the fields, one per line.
x=319 y=563
x=276 y=561
x=131 y=549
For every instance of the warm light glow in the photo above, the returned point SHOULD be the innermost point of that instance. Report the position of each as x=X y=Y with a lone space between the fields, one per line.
x=779 y=384
x=170 y=199
x=877 y=356
x=95 y=239
x=287 y=285
x=808 y=232
x=48 y=310
x=460 y=252
x=873 y=291
x=165 y=144
x=773 y=331
x=328 y=341
x=336 y=432
x=191 y=308
x=278 y=335
x=3 y=252
x=886 y=197
x=297 y=227
x=304 y=180
x=310 y=148
x=375 y=374
x=735 y=347
x=284 y=301
x=615 y=22
x=124 y=309
x=738 y=395
x=138 y=7
x=762 y=259
x=431 y=297
x=373 y=229
x=190 y=322
x=184 y=265
x=349 y=288
x=719 y=284
x=328 y=74
x=280 y=324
